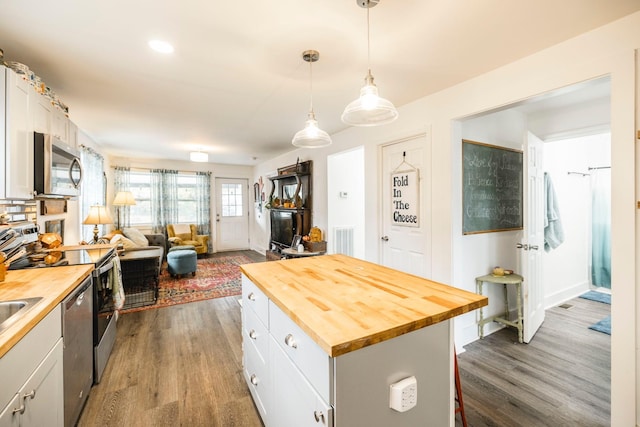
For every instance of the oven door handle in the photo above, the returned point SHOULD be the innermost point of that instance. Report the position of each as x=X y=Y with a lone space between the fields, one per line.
x=103 y=269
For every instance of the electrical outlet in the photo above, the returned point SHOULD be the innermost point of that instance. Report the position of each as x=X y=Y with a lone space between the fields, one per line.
x=403 y=395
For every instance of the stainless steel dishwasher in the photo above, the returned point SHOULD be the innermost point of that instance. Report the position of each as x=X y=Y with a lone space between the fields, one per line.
x=77 y=335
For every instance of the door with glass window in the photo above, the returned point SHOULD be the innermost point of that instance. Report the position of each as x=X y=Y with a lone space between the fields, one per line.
x=232 y=214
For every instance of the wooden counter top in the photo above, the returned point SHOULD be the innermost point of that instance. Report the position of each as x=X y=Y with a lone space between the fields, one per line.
x=345 y=304
x=52 y=284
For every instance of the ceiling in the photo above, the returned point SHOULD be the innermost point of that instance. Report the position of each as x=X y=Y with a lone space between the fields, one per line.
x=236 y=85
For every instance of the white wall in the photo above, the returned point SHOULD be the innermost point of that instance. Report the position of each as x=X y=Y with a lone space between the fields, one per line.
x=609 y=50
x=345 y=207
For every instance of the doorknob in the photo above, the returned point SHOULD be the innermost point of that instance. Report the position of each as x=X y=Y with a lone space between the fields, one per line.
x=525 y=246
x=533 y=247
x=385 y=238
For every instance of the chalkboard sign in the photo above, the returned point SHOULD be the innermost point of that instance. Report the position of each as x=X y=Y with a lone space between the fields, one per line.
x=491 y=188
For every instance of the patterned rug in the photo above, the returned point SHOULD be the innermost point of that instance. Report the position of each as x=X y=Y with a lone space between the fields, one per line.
x=216 y=277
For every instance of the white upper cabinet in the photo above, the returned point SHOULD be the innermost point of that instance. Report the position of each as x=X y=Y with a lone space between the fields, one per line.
x=18 y=143
x=60 y=125
x=41 y=112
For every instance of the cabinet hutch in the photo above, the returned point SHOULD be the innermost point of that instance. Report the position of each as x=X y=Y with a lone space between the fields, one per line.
x=290 y=205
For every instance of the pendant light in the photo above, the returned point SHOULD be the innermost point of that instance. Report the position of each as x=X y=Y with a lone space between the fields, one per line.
x=369 y=109
x=311 y=136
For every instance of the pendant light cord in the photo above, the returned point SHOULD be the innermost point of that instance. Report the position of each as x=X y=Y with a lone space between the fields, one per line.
x=311 y=86
x=368 y=41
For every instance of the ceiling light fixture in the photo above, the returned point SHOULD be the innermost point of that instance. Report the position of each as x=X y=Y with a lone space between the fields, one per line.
x=199 y=156
x=369 y=109
x=311 y=136
x=161 y=46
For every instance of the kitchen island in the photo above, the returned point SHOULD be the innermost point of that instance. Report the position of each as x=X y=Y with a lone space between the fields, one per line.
x=325 y=338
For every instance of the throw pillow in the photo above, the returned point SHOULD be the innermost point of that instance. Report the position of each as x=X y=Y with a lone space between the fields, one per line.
x=136 y=236
x=126 y=243
x=109 y=236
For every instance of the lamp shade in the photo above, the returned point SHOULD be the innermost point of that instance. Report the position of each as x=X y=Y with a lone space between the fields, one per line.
x=369 y=109
x=199 y=156
x=311 y=136
x=98 y=215
x=124 y=198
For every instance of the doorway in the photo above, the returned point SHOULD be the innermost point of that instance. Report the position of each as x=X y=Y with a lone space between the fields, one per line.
x=232 y=214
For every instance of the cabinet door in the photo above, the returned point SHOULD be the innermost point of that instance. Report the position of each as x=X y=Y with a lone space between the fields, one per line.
x=60 y=125
x=9 y=417
x=41 y=112
x=19 y=139
x=73 y=135
x=294 y=402
x=42 y=394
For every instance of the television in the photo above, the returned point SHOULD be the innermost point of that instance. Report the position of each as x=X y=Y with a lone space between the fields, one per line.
x=284 y=225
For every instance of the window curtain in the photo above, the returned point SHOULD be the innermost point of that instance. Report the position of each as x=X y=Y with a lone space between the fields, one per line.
x=93 y=188
x=203 y=205
x=164 y=198
x=122 y=180
x=601 y=228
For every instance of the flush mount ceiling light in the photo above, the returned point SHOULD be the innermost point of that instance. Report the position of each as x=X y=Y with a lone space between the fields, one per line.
x=199 y=156
x=160 y=46
x=369 y=109
x=311 y=136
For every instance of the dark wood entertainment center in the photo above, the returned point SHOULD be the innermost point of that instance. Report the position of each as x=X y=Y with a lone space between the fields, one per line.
x=290 y=204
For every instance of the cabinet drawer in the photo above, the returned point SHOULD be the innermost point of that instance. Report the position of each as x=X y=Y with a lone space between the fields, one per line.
x=255 y=333
x=254 y=299
x=19 y=362
x=314 y=363
x=256 y=375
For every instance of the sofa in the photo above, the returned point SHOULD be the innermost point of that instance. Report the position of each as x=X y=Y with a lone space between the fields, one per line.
x=132 y=239
x=182 y=234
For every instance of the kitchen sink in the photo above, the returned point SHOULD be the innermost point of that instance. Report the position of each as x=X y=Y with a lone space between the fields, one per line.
x=10 y=311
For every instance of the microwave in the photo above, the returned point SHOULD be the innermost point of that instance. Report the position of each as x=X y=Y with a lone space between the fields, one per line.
x=57 y=171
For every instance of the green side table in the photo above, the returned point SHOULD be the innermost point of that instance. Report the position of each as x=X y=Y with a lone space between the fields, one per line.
x=510 y=279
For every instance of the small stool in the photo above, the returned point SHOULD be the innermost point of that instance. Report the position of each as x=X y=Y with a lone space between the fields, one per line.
x=509 y=279
x=182 y=260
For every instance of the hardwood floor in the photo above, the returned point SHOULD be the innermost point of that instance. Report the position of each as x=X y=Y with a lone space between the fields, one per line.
x=561 y=378
x=182 y=366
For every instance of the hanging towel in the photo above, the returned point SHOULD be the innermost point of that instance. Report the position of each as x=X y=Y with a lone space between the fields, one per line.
x=553 y=232
x=115 y=283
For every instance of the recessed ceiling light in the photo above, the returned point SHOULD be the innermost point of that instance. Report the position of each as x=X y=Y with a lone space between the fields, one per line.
x=160 y=46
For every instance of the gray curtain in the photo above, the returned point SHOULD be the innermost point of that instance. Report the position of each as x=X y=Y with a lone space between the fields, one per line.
x=121 y=183
x=164 y=198
x=93 y=188
x=203 y=194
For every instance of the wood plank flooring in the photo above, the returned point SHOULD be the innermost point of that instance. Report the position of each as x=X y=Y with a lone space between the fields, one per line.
x=182 y=366
x=561 y=378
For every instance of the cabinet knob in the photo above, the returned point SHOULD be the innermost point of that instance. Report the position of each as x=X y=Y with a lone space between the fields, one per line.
x=254 y=379
x=252 y=334
x=290 y=341
x=252 y=296
x=31 y=394
x=319 y=416
x=19 y=410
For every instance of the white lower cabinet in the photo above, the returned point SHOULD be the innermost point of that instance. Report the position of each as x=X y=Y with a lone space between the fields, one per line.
x=32 y=377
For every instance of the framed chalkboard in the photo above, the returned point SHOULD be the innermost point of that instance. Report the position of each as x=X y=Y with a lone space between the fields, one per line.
x=491 y=188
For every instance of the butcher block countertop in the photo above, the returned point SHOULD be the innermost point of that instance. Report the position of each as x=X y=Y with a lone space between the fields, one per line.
x=345 y=304
x=52 y=284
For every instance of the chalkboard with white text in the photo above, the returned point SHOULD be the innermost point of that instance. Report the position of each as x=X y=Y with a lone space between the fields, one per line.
x=491 y=188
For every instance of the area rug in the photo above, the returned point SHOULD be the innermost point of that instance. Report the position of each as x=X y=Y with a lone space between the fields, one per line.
x=603 y=326
x=216 y=277
x=597 y=296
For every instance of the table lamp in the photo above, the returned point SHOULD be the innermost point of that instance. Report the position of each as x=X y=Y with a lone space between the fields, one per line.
x=97 y=215
x=123 y=198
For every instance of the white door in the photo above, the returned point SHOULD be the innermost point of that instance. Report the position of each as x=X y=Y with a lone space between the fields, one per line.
x=533 y=238
x=405 y=244
x=232 y=214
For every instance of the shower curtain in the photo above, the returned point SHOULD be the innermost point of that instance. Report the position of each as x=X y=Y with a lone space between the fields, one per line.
x=601 y=228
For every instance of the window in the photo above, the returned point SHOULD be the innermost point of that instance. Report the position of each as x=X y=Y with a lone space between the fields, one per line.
x=231 y=200
x=140 y=186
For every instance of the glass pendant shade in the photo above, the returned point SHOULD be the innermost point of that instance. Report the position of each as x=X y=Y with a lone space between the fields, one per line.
x=311 y=136
x=369 y=109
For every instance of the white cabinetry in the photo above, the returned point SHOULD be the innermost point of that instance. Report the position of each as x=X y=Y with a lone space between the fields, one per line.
x=17 y=150
x=60 y=125
x=41 y=112
x=32 y=377
x=73 y=135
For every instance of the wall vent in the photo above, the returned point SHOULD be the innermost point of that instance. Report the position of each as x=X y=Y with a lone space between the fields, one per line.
x=343 y=240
